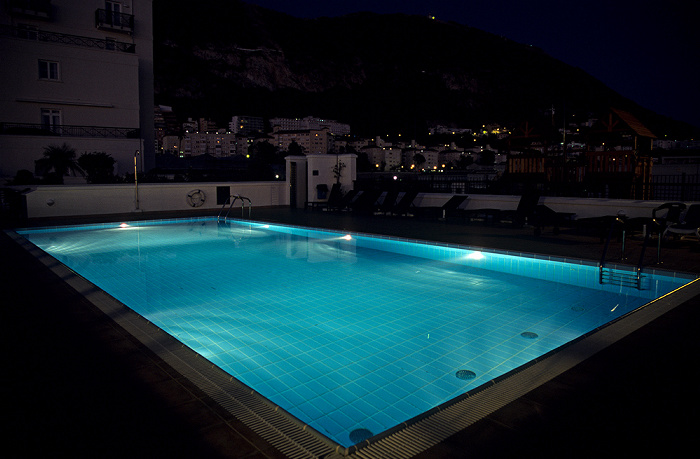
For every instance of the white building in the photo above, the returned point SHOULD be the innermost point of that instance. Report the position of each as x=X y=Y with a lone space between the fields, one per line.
x=219 y=144
x=78 y=72
x=311 y=141
x=310 y=177
x=310 y=123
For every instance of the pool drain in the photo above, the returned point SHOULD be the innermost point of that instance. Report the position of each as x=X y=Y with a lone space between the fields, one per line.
x=465 y=374
x=358 y=435
x=529 y=335
x=577 y=308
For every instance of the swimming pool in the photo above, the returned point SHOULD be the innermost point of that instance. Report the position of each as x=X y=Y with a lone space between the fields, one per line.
x=351 y=334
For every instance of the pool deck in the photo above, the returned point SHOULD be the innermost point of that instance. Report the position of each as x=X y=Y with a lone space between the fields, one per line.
x=78 y=385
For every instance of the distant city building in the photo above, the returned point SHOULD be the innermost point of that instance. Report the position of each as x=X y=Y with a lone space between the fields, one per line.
x=165 y=124
x=248 y=126
x=77 y=72
x=677 y=144
x=382 y=155
x=296 y=124
x=392 y=158
x=440 y=129
x=207 y=125
x=311 y=141
x=171 y=144
x=190 y=126
x=409 y=157
x=220 y=144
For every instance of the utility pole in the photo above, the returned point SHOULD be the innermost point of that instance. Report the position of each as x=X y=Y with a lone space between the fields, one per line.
x=136 y=179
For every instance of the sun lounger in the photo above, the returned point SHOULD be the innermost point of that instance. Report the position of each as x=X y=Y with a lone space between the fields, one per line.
x=389 y=202
x=405 y=203
x=366 y=201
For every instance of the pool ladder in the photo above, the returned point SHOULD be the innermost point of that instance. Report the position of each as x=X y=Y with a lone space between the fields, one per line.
x=633 y=279
x=231 y=201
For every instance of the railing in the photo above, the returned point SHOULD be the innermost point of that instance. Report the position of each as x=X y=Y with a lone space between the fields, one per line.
x=69 y=131
x=121 y=22
x=66 y=39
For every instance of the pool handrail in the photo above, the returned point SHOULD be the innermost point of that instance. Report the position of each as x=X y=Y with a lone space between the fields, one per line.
x=637 y=277
x=233 y=198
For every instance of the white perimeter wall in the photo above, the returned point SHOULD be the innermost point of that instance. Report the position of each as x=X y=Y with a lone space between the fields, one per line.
x=115 y=199
x=63 y=200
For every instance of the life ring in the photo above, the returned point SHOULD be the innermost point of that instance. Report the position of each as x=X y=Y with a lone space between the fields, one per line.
x=196 y=198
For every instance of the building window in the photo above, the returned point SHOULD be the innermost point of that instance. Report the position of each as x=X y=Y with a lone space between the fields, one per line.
x=114 y=10
x=48 y=70
x=51 y=120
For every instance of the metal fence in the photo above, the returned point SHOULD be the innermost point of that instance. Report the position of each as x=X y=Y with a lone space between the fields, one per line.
x=69 y=131
x=681 y=187
x=30 y=33
x=426 y=183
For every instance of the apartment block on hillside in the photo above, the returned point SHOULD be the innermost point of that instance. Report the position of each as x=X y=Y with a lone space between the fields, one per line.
x=309 y=122
x=311 y=141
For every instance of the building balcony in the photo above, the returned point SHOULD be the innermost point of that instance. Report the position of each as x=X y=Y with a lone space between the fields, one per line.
x=116 y=22
x=32 y=33
x=35 y=9
x=28 y=129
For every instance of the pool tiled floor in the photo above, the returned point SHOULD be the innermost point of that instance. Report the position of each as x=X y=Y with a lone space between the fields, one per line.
x=102 y=381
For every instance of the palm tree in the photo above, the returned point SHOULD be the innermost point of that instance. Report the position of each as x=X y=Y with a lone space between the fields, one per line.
x=57 y=162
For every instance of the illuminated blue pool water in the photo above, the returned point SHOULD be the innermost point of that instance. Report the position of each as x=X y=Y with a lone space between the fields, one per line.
x=349 y=333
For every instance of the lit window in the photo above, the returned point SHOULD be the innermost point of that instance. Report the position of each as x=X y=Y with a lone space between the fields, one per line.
x=48 y=70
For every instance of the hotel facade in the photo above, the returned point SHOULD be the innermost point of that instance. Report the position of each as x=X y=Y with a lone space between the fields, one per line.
x=80 y=73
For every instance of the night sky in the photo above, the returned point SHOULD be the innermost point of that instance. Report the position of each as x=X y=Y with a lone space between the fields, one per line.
x=646 y=50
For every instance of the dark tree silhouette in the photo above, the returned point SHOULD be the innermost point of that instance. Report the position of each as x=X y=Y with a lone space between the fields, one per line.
x=295 y=149
x=98 y=167
x=57 y=162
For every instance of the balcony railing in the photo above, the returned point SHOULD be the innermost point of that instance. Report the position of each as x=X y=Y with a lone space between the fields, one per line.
x=28 y=33
x=69 y=131
x=120 y=22
x=36 y=9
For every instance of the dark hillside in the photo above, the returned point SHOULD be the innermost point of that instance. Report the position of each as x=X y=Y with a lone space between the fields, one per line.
x=380 y=73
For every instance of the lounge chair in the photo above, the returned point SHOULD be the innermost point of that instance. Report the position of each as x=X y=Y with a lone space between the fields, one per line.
x=661 y=217
x=366 y=201
x=673 y=213
x=389 y=202
x=345 y=201
x=537 y=215
x=451 y=208
x=333 y=199
x=447 y=210
x=689 y=223
x=405 y=203
x=526 y=208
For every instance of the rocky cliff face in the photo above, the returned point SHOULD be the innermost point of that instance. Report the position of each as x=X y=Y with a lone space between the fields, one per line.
x=380 y=73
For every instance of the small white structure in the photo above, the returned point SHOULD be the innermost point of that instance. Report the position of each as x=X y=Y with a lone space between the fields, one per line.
x=311 y=177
